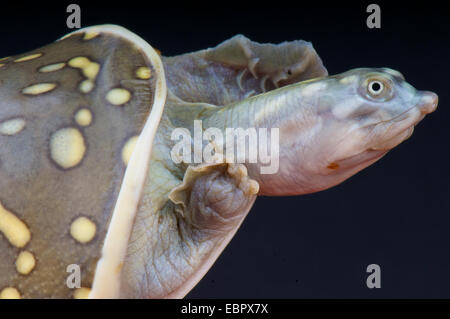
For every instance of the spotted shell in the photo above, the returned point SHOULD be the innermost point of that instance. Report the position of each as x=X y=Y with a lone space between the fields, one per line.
x=76 y=131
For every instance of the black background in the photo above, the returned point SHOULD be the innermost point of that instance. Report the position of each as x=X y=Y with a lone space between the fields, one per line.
x=395 y=213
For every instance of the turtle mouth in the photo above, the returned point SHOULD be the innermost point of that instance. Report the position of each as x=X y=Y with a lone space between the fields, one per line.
x=401 y=127
x=392 y=132
x=361 y=160
x=394 y=141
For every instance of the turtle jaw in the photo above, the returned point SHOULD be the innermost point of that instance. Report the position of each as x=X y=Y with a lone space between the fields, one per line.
x=401 y=127
x=389 y=134
x=351 y=151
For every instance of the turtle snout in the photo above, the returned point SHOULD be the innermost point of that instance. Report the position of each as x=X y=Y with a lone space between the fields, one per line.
x=428 y=102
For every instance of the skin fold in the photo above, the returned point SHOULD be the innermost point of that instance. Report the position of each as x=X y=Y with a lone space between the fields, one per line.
x=88 y=175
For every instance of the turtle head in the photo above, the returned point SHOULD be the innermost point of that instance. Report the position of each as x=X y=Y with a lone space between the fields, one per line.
x=341 y=124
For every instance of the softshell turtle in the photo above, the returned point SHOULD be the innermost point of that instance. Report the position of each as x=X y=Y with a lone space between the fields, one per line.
x=94 y=171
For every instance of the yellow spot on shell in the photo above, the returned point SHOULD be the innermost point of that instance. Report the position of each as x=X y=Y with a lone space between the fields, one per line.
x=28 y=57
x=83 y=230
x=2 y=65
x=13 y=228
x=83 y=117
x=67 y=147
x=39 y=88
x=3 y=59
x=128 y=149
x=81 y=293
x=10 y=293
x=25 y=262
x=91 y=70
x=12 y=126
x=52 y=67
x=86 y=86
x=90 y=35
x=143 y=73
x=79 y=62
x=118 y=96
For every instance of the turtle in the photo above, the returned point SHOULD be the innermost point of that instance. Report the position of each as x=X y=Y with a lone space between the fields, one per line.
x=125 y=173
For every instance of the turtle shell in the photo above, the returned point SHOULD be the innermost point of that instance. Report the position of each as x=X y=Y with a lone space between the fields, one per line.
x=77 y=122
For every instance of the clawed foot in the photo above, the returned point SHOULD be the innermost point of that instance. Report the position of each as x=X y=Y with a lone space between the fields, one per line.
x=282 y=64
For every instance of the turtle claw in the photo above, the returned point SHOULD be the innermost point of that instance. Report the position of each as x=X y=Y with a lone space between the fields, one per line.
x=239 y=79
x=282 y=63
x=247 y=185
x=252 y=66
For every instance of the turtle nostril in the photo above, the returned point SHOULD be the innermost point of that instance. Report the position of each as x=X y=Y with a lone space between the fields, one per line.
x=429 y=102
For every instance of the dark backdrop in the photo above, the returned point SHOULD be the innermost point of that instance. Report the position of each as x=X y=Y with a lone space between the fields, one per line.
x=395 y=213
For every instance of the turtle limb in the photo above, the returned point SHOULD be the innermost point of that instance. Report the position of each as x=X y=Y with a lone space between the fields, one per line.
x=189 y=232
x=212 y=199
x=239 y=68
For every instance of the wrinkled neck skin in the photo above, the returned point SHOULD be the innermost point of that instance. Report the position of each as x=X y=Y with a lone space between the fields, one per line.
x=299 y=118
x=329 y=128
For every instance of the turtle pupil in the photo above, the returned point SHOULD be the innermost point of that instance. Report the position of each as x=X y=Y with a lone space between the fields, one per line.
x=376 y=87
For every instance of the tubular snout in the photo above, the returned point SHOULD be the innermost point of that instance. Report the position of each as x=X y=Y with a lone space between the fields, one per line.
x=428 y=102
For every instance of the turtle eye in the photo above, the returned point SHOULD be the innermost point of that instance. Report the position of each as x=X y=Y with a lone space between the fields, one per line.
x=375 y=88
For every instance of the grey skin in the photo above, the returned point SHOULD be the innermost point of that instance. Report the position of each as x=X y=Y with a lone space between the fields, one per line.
x=330 y=128
x=155 y=224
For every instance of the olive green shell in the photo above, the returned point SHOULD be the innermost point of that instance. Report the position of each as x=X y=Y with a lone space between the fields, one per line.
x=70 y=114
x=86 y=178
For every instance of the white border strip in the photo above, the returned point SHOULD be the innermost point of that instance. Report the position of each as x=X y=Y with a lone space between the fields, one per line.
x=108 y=273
